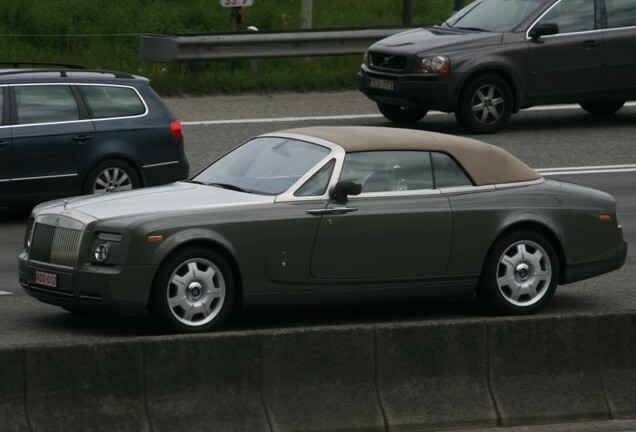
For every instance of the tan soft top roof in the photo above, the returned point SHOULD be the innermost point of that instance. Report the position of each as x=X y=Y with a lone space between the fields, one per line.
x=485 y=163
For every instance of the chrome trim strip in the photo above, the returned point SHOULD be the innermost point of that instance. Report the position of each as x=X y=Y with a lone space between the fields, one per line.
x=396 y=194
x=44 y=177
x=5 y=180
x=160 y=164
x=520 y=184
x=467 y=189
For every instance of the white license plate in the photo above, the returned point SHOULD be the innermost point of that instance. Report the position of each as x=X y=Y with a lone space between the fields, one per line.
x=381 y=84
x=46 y=279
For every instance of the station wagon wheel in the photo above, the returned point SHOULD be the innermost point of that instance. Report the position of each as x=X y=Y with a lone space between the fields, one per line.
x=485 y=105
x=601 y=108
x=193 y=291
x=402 y=114
x=520 y=274
x=111 y=175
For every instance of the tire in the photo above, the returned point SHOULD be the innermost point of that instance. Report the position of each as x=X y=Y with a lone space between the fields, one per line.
x=485 y=105
x=520 y=274
x=112 y=175
x=402 y=114
x=602 y=108
x=193 y=291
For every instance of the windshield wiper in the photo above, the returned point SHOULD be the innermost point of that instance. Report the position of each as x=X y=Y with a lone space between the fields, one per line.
x=472 y=29
x=230 y=187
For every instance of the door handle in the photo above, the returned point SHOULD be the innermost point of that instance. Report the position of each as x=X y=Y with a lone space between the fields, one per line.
x=82 y=139
x=590 y=44
x=4 y=143
x=331 y=210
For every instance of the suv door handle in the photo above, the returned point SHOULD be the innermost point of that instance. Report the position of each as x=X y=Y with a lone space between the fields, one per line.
x=82 y=139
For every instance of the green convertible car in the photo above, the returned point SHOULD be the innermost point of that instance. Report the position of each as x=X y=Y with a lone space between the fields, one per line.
x=324 y=213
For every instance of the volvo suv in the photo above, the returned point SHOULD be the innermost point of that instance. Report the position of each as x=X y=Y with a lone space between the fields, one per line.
x=495 y=57
x=69 y=131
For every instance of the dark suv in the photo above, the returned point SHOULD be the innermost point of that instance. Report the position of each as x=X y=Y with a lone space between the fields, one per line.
x=494 y=57
x=70 y=131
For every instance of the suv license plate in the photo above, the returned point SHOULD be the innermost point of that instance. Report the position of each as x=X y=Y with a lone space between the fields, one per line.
x=46 y=279
x=381 y=84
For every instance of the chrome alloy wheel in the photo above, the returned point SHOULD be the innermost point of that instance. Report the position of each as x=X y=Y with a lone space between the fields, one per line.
x=112 y=179
x=196 y=292
x=524 y=273
x=488 y=104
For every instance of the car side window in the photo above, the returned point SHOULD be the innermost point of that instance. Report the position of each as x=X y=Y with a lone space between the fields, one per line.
x=387 y=171
x=112 y=101
x=317 y=184
x=620 y=13
x=447 y=172
x=45 y=104
x=571 y=16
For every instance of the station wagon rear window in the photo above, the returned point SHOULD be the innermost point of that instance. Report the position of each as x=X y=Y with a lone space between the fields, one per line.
x=112 y=101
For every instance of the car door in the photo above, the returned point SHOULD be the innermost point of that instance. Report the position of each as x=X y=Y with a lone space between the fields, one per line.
x=568 y=63
x=398 y=227
x=51 y=137
x=619 y=42
x=5 y=149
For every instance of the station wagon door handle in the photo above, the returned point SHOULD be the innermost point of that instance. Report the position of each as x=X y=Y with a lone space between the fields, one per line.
x=3 y=144
x=82 y=139
x=590 y=44
x=331 y=210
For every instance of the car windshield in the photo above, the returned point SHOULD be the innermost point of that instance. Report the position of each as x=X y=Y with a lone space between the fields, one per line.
x=267 y=165
x=493 y=15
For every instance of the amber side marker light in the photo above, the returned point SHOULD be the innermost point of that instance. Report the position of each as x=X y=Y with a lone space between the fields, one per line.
x=155 y=238
x=605 y=218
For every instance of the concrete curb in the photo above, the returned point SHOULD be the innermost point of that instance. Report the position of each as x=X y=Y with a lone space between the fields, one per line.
x=424 y=376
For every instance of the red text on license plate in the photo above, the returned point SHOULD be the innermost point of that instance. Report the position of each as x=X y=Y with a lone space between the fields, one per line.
x=46 y=279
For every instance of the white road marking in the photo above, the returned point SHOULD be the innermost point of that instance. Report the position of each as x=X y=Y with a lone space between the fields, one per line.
x=5 y=293
x=346 y=117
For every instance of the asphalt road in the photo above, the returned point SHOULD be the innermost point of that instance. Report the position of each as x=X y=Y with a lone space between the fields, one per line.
x=543 y=138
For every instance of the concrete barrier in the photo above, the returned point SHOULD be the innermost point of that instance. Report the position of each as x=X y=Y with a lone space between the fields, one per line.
x=211 y=380
x=92 y=387
x=434 y=376
x=545 y=370
x=421 y=376
x=617 y=345
x=12 y=396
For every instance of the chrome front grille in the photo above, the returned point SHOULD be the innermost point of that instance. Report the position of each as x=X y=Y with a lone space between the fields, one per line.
x=387 y=61
x=55 y=244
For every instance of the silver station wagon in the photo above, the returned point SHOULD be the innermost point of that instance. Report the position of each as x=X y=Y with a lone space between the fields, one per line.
x=324 y=214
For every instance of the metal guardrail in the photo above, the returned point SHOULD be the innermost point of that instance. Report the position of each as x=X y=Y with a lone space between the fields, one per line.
x=254 y=45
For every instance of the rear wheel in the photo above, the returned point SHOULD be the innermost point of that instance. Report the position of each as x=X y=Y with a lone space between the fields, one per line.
x=603 y=107
x=112 y=175
x=485 y=105
x=402 y=114
x=520 y=274
x=193 y=291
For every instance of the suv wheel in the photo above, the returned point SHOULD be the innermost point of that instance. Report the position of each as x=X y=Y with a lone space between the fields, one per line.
x=485 y=105
x=402 y=114
x=603 y=107
x=111 y=175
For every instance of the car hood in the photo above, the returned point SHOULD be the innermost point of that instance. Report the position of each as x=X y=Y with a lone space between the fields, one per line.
x=175 y=197
x=434 y=40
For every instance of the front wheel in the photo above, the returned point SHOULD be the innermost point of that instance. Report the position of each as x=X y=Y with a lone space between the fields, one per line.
x=193 y=291
x=485 y=105
x=520 y=274
x=402 y=114
x=602 y=108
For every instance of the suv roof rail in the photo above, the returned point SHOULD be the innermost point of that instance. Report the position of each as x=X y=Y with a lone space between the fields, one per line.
x=63 y=72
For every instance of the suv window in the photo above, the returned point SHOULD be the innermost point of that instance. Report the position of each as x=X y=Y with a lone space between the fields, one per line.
x=621 y=13
x=45 y=104
x=494 y=15
x=111 y=101
x=571 y=16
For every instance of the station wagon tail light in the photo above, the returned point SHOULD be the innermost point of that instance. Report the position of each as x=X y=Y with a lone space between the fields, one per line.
x=605 y=218
x=434 y=64
x=175 y=129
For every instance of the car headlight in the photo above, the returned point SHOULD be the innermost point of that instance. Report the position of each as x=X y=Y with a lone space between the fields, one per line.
x=433 y=64
x=101 y=252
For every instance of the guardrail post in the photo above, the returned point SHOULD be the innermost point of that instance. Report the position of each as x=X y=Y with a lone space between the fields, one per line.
x=306 y=14
x=407 y=12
